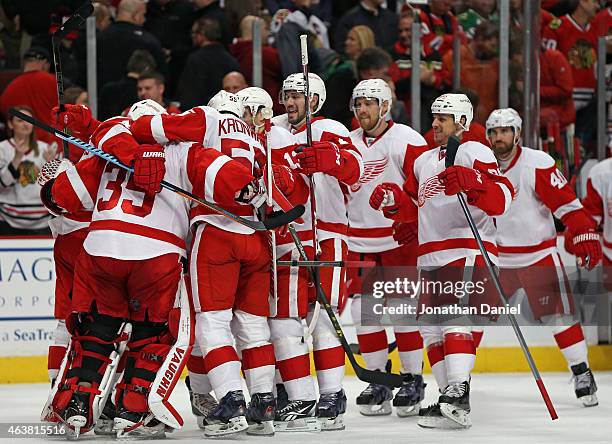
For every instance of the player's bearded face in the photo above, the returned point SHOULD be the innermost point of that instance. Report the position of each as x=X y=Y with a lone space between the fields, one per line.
x=367 y=112
x=502 y=141
x=295 y=105
x=443 y=126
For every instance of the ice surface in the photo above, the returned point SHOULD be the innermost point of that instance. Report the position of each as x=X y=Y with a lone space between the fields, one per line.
x=506 y=408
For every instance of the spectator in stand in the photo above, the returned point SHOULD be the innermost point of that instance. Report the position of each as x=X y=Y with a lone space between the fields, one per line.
x=573 y=35
x=401 y=70
x=211 y=9
x=75 y=95
x=340 y=77
x=102 y=15
x=358 y=38
x=116 y=96
x=234 y=81
x=479 y=68
x=203 y=75
x=476 y=133
x=478 y=12
x=556 y=85
x=119 y=41
x=35 y=88
x=152 y=85
x=372 y=14
x=242 y=49
x=170 y=21
x=21 y=158
x=438 y=26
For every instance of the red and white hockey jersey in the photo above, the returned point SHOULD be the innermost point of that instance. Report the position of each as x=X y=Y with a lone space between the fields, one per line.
x=388 y=158
x=598 y=200
x=332 y=220
x=444 y=235
x=540 y=191
x=130 y=224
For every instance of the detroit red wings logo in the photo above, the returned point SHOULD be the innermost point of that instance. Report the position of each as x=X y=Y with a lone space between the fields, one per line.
x=430 y=188
x=371 y=170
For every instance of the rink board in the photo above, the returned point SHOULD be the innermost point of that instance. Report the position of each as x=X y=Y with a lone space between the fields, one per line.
x=27 y=280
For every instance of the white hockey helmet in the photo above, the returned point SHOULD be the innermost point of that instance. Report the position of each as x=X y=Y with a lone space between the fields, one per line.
x=458 y=105
x=373 y=89
x=225 y=101
x=504 y=118
x=295 y=82
x=255 y=98
x=146 y=107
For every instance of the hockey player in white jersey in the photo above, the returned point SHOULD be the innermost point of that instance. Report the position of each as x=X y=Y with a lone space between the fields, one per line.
x=598 y=202
x=389 y=150
x=447 y=248
x=333 y=163
x=528 y=258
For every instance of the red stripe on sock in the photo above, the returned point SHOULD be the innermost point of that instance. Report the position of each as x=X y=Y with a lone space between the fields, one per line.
x=458 y=343
x=294 y=368
x=435 y=353
x=570 y=336
x=372 y=342
x=258 y=357
x=219 y=356
x=409 y=341
x=55 y=356
x=329 y=358
x=477 y=336
x=195 y=364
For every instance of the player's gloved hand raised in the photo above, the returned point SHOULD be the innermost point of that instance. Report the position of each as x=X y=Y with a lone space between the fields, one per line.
x=404 y=232
x=321 y=157
x=585 y=245
x=149 y=168
x=457 y=178
x=77 y=118
x=253 y=193
x=283 y=179
x=45 y=179
x=387 y=196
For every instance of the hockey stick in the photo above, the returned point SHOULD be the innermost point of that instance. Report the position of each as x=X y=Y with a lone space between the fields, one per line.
x=269 y=224
x=369 y=376
x=343 y=264
x=273 y=295
x=451 y=152
x=75 y=20
x=169 y=374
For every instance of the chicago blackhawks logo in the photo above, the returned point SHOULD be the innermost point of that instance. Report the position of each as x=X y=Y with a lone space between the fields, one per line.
x=582 y=55
x=430 y=188
x=371 y=170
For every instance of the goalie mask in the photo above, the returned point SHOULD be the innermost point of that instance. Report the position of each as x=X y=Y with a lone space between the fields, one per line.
x=146 y=107
x=505 y=118
x=227 y=102
x=457 y=105
x=295 y=82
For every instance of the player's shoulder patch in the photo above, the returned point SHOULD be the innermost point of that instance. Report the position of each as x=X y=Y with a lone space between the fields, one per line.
x=555 y=23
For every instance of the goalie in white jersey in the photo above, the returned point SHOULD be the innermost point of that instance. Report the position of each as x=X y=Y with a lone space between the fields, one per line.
x=447 y=248
x=388 y=150
x=528 y=258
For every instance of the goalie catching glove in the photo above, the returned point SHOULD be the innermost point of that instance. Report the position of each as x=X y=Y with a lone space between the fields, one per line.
x=45 y=179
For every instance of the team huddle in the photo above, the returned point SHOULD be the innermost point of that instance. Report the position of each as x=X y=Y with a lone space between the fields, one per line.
x=149 y=282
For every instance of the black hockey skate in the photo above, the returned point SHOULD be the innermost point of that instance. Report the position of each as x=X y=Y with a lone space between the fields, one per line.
x=455 y=403
x=229 y=417
x=75 y=418
x=105 y=423
x=137 y=425
x=584 y=385
x=201 y=404
x=331 y=409
x=430 y=417
x=297 y=416
x=261 y=413
x=282 y=398
x=375 y=400
x=410 y=395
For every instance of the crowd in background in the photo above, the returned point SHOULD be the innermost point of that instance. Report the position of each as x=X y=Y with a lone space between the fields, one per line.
x=181 y=52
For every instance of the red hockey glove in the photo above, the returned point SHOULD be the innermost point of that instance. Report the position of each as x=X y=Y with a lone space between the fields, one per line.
x=321 y=157
x=283 y=178
x=585 y=245
x=149 y=168
x=404 y=233
x=77 y=118
x=457 y=178
x=387 y=196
